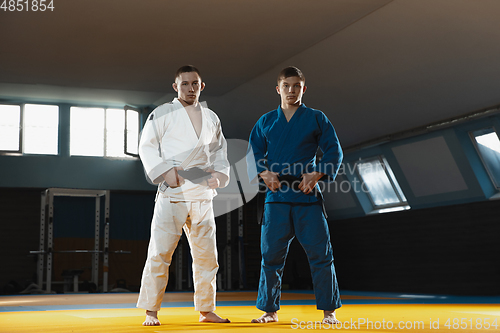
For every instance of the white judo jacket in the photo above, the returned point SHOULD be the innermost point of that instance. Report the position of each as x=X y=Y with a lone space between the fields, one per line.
x=169 y=140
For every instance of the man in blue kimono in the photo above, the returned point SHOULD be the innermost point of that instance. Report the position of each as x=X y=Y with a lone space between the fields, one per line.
x=283 y=146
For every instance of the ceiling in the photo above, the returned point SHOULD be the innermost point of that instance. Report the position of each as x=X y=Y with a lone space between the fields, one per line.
x=375 y=67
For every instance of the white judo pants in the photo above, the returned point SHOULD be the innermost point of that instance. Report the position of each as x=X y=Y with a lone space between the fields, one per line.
x=169 y=218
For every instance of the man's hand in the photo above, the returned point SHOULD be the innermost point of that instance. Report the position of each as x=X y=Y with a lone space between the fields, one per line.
x=172 y=178
x=216 y=179
x=270 y=179
x=309 y=180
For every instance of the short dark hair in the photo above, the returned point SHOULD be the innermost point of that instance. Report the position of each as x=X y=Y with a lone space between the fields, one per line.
x=289 y=72
x=186 y=69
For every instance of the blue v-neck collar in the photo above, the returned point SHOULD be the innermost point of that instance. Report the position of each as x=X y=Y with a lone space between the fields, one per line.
x=281 y=114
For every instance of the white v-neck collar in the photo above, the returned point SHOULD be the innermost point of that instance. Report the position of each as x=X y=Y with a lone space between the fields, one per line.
x=198 y=138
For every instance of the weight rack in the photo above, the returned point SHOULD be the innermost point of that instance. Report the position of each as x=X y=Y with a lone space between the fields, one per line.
x=47 y=231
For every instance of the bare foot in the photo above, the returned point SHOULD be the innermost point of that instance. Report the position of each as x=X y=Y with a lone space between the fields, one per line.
x=268 y=317
x=329 y=318
x=151 y=319
x=211 y=317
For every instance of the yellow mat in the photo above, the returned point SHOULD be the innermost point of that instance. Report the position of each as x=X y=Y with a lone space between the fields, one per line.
x=359 y=318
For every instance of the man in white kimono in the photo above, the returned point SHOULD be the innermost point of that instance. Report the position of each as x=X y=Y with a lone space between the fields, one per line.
x=183 y=137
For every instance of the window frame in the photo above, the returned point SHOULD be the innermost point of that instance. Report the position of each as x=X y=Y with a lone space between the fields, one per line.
x=22 y=116
x=19 y=151
x=125 y=134
x=485 y=165
x=21 y=129
x=105 y=139
x=395 y=187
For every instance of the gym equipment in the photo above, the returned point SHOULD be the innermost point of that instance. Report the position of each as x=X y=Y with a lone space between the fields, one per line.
x=47 y=232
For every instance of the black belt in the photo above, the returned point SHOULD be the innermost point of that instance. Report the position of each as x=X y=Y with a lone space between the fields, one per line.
x=293 y=182
x=195 y=175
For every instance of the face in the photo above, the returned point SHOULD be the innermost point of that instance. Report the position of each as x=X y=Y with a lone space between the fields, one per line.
x=188 y=87
x=291 y=90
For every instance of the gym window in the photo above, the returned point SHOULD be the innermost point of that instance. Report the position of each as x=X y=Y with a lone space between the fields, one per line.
x=104 y=132
x=29 y=129
x=488 y=147
x=381 y=185
x=131 y=131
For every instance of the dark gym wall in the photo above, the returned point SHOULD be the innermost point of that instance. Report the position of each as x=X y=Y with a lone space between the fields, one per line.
x=441 y=250
x=130 y=216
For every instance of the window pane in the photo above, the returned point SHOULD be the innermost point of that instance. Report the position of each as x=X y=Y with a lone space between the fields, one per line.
x=132 y=132
x=378 y=184
x=87 y=131
x=488 y=146
x=394 y=181
x=41 y=124
x=115 y=129
x=10 y=119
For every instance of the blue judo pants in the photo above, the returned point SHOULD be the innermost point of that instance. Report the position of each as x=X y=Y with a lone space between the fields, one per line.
x=282 y=222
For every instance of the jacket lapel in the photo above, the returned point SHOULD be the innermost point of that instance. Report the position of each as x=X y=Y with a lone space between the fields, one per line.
x=288 y=127
x=197 y=140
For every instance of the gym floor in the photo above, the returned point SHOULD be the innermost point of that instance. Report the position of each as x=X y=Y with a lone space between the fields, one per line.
x=361 y=311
